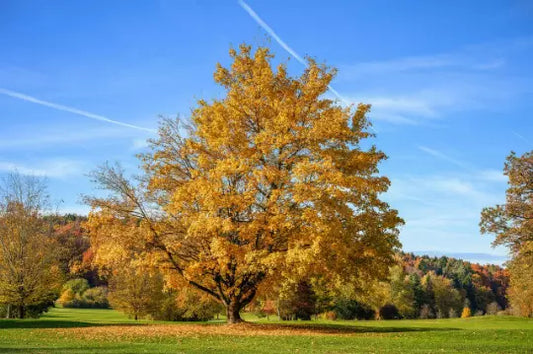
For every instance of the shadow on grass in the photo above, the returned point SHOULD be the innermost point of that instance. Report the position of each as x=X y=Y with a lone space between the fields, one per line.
x=333 y=328
x=37 y=323
x=74 y=349
x=245 y=327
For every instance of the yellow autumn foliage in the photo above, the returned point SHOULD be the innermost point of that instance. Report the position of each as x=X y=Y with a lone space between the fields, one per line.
x=269 y=181
x=466 y=312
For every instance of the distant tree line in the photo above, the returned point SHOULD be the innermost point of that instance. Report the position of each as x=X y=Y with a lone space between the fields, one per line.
x=418 y=287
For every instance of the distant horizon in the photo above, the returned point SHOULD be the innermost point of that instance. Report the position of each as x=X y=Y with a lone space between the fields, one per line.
x=472 y=257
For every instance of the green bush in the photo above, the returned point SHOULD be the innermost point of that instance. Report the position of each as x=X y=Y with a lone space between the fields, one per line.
x=185 y=305
x=389 y=312
x=300 y=304
x=30 y=311
x=78 y=286
x=348 y=309
x=77 y=294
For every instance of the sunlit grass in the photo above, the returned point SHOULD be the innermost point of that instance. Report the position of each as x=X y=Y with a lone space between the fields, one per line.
x=108 y=331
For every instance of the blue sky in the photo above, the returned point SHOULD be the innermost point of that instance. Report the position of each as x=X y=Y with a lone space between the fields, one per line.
x=450 y=83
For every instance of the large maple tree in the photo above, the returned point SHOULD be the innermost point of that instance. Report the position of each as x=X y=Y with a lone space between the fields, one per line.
x=268 y=181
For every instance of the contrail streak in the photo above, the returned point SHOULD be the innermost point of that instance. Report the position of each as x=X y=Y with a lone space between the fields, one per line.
x=521 y=137
x=79 y=112
x=284 y=45
x=270 y=31
x=442 y=156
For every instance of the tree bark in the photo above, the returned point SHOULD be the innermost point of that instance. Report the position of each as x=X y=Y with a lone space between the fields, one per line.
x=233 y=313
x=21 y=311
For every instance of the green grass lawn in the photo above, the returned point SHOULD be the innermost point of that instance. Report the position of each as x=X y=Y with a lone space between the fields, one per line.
x=107 y=331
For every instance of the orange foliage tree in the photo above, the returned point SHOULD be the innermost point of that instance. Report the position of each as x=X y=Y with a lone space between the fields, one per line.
x=512 y=223
x=266 y=182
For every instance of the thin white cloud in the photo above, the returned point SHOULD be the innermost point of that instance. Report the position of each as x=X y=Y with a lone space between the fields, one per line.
x=79 y=112
x=443 y=187
x=442 y=210
x=422 y=89
x=432 y=98
x=486 y=175
x=449 y=193
x=458 y=187
x=393 y=118
x=404 y=105
x=426 y=97
x=419 y=63
x=140 y=144
x=63 y=136
x=492 y=176
x=400 y=109
x=74 y=209
x=445 y=205
x=473 y=257
x=53 y=168
x=495 y=64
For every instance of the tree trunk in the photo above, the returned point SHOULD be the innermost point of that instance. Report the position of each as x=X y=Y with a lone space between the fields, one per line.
x=21 y=311
x=233 y=313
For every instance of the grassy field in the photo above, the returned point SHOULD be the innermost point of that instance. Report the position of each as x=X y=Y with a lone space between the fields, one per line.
x=107 y=331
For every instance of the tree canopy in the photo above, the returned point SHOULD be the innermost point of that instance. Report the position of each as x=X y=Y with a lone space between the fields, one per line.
x=269 y=181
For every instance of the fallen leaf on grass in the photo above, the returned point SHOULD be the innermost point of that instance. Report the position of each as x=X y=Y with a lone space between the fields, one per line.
x=195 y=330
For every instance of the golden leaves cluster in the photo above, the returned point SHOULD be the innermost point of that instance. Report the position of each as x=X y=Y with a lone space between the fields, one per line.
x=271 y=179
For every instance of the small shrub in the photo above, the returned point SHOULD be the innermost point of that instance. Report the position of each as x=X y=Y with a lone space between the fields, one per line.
x=466 y=312
x=36 y=310
x=298 y=304
x=77 y=286
x=506 y=312
x=347 y=309
x=493 y=308
x=67 y=297
x=96 y=297
x=262 y=308
x=426 y=312
x=185 y=304
x=389 y=312
x=269 y=308
x=453 y=313
x=330 y=315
